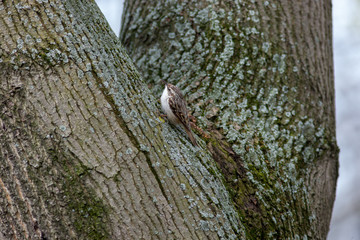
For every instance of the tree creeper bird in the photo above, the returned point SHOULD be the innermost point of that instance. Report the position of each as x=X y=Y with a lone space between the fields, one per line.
x=174 y=105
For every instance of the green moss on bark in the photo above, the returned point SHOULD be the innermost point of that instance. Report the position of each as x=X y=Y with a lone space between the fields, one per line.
x=78 y=202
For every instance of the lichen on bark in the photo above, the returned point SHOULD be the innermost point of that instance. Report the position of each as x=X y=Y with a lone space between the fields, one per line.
x=249 y=75
x=82 y=93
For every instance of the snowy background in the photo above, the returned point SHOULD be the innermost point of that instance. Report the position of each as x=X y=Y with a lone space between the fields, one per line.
x=345 y=222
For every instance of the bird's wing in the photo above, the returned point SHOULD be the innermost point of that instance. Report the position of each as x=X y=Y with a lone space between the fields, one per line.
x=178 y=107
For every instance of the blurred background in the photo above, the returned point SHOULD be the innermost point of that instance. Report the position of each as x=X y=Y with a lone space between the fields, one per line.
x=345 y=222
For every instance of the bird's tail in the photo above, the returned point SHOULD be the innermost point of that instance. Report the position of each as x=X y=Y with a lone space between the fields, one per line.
x=191 y=136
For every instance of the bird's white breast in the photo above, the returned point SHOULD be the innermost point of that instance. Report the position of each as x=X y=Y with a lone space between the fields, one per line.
x=166 y=107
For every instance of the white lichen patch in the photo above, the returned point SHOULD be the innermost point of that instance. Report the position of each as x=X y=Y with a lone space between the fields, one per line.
x=228 y=50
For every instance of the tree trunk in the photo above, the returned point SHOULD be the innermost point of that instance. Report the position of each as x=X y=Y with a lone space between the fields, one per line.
x=84 y=154
x=259 y=78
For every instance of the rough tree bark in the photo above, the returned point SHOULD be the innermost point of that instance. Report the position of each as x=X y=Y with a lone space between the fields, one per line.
x=84 y=155
x=259 y=78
